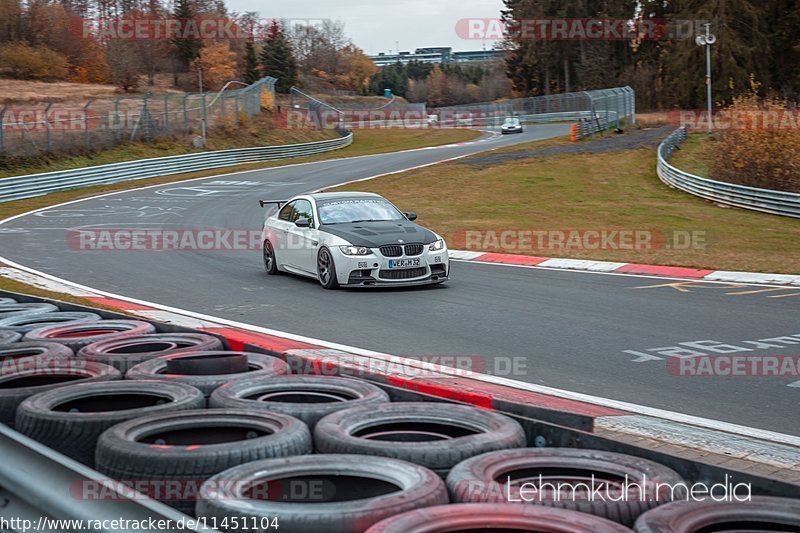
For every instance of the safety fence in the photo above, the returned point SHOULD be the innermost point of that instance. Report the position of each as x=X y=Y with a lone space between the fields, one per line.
x=600 y=109
x=595 y=111
x=766 y=200
x=27 y=130
x=20 y=187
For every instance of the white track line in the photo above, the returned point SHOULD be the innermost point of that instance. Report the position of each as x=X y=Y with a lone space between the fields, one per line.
x=715 y=425
x=595 y=400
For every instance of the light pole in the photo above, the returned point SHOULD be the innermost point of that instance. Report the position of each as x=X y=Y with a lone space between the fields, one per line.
x=204 y=119
x=707 y=40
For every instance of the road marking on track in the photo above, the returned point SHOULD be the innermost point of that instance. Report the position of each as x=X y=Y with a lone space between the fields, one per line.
x=600 y=273
x=716 y=425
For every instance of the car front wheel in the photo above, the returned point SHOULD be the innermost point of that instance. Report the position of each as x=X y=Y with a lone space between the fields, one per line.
x=326 y=270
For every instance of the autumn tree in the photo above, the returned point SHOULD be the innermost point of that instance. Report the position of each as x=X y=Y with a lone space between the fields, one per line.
x=125 y=65
x=355 y=68
x=32 y=62
x=277 y=58
x=218 y=64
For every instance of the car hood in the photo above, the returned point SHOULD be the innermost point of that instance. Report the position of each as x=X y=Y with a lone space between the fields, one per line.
x=375 y=234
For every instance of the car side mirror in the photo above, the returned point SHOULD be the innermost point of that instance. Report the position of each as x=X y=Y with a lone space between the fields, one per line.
x=303 y=223
x=410 y=215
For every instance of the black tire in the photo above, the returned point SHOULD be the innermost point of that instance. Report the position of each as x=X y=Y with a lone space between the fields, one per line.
x=191 y=446
x=269 y=258
x=17 y=310
x=326 y=270
x=503 y=517
x=26 y=323
x=259 y=365
x=123 y=353
x=207 y=363
x=475 y=480
x=761 y=513
x=76 y=336
x=308 y=398
x=16 y=385
x=8 y=336
x=19 y=356
x=353 y=493
x=435 y=435
x=51 y=417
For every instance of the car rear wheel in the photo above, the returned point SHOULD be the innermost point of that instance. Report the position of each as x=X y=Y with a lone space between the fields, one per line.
x=326 y=270
x=270 y=263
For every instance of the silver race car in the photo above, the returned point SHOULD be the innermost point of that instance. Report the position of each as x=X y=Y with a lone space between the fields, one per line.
x=352 y=239
x=512 y=125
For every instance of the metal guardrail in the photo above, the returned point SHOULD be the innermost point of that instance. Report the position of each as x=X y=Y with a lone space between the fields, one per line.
x=19 y=187
x=765 y=200
x=46 y=490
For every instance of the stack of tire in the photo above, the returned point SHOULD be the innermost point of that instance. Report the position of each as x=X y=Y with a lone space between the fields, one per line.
x=234 y=438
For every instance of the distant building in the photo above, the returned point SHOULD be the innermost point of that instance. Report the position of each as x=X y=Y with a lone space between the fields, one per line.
x=441 y=54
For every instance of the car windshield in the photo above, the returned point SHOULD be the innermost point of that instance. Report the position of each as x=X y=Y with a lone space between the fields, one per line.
x=348 y=210
x=512 y=122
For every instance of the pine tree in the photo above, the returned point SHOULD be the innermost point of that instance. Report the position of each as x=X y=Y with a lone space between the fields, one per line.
x=742 y=49
x=277 y=58
x=251 y=73
x=187 y=48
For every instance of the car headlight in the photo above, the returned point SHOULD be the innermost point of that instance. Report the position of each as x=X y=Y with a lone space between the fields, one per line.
x=436 y=246
x=355 y=250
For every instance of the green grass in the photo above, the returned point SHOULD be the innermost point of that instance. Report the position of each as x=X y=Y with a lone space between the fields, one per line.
x=366 y=142
x=694 y=155
x=608 y=191
x=11 y=285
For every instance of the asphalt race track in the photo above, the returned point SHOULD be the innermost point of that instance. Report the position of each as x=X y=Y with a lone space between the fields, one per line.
x=604 y=335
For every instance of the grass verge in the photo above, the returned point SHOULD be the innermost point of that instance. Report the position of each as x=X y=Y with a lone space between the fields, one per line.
x=694 y=155
x=12 y=285
x=258 y=132
x=617 y=190
x=366 y=142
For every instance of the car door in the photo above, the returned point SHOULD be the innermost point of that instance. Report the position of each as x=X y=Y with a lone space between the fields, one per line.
x=303 y=242
x=280 y=236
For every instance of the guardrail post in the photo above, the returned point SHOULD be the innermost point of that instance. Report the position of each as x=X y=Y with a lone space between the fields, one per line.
x=166 y=114
x=48 y=134
x=86 y=139
x=117 y=121
x=185 y=113
x=2 y=128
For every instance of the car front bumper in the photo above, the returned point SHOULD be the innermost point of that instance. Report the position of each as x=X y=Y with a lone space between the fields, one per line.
x=374 y=271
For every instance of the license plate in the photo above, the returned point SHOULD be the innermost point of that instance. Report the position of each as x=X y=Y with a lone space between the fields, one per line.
x=404 y=263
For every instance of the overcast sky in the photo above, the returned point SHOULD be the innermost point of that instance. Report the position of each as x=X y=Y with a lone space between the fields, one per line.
x=376 y=25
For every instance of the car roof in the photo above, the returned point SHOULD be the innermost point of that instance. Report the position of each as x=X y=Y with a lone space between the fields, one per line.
x=334 y=195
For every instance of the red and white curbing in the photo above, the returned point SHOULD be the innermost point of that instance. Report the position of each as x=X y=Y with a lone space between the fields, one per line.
x=626 y=268
x=764 y=449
